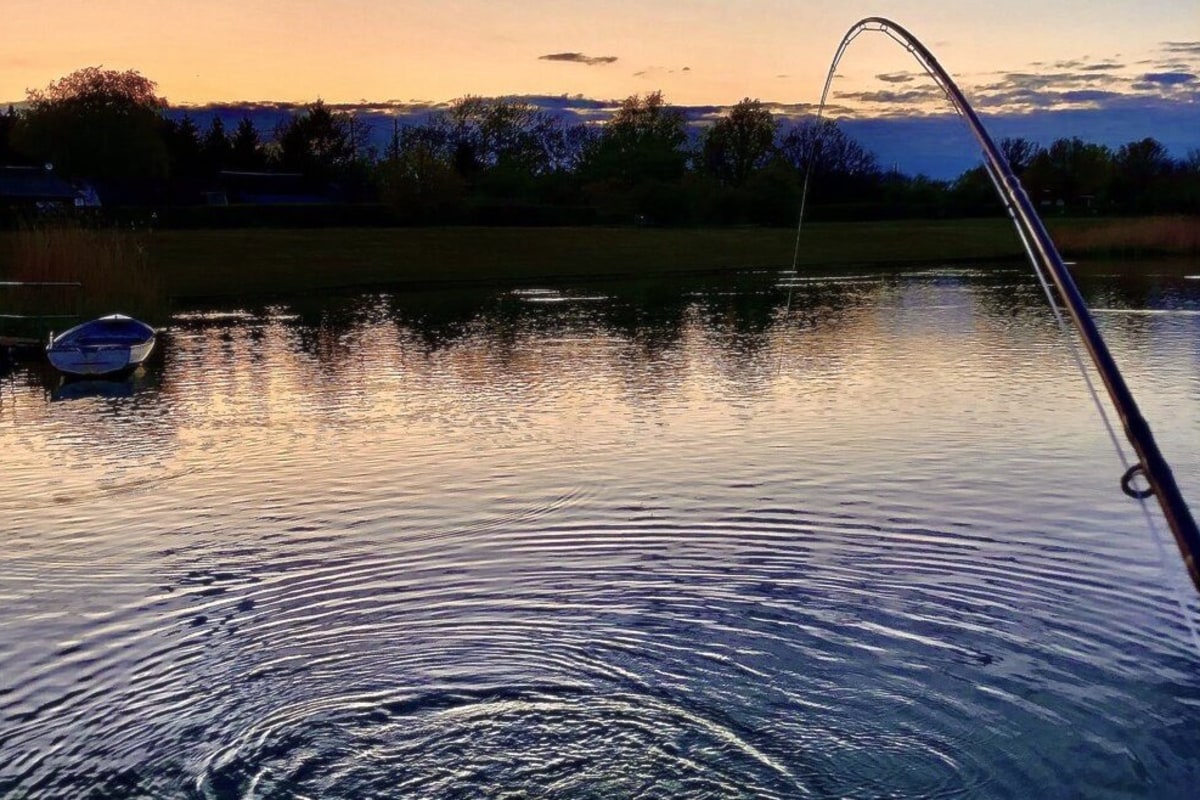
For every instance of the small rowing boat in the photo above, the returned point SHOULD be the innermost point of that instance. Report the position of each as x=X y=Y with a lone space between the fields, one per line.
x=106 y=346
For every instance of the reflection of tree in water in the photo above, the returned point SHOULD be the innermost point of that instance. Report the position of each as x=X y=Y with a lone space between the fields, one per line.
x=648 y=324
x=92 y=436
x=323 y=360
x=745 y=328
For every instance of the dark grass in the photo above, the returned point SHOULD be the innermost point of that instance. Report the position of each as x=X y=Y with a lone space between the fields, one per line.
x=197 y=264
x=254 y=262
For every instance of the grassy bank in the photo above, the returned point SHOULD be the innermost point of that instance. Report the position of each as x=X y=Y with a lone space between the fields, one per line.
x=214 y=263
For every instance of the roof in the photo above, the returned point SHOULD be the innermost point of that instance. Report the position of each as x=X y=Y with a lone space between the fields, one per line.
x=32 y=184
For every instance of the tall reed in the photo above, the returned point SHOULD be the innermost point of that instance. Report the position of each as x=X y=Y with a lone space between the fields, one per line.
x=111 y=266
x=1132 y=237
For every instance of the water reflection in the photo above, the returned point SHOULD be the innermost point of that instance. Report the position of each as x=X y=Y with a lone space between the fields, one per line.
x=125 y=386
x=759 y=536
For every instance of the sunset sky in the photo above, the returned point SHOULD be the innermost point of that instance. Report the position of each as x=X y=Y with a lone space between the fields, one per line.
x=696 y=51
x=1132 y=67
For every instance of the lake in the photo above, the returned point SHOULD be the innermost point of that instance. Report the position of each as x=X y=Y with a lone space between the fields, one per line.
x=762 y=536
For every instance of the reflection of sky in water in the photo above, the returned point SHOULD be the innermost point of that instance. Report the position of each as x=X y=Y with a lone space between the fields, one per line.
x=881 y=368
x=809 y=533
x=877 y=370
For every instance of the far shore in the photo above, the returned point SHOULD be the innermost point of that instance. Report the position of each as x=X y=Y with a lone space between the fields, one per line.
x=195 y=264
x=253 y=262
x=217 y=263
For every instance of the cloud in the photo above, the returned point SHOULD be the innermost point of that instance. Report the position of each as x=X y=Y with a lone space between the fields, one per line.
x=1187 y=48
x=1098 y=83
x=1085 y=97
x=890 y=97
x=1087 y=85
x=578 y=58
x=1048 y=80
x=654 y=72
x=1169 y=78
x=942 y=147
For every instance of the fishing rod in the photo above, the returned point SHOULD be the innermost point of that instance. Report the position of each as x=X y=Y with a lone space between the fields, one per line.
x=1151 y=465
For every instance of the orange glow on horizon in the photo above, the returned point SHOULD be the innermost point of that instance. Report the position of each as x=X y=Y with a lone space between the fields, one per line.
x=695 y=51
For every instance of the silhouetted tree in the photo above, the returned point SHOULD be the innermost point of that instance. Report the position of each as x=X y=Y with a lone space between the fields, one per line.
x=577 y=140
x=245 y=148
x=216 y=147
x=643 y=141
x=972 y=193
x=918 y=196
x=1019 y=153
x=417 y=179
x=842 y=169
x=319 y=142
x=773 y=195
x=833 y=152
x=182 y=139
x=739 y=143
x=500 y=137
x=8 y=123
x=96 y=123
x=1141 y=179
x=1071 y=173
x=1189 y=178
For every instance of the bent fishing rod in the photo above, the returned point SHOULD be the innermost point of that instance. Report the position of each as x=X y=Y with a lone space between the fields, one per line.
x=1046 y=260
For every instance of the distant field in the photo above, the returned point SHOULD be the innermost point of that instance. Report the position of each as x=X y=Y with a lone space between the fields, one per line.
x=216 y=263
x=208 y=263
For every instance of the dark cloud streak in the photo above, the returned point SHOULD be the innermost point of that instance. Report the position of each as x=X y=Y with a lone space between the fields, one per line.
x=1186 y=48
x=1169 y=78
x=895 y=77
x=579 y=58
x=891 y=97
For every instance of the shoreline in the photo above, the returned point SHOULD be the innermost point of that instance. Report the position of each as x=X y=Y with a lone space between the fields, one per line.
x=205 y=265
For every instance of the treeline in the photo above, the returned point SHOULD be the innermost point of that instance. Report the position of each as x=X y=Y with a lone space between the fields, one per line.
x=507 y=161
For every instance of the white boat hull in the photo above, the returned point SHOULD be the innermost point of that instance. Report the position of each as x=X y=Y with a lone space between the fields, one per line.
x=106 y=346
x=99 y=360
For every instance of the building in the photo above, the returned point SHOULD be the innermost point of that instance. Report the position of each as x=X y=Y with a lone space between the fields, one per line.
x=34 y=188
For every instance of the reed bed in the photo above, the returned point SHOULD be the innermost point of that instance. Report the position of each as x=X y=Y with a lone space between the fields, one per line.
x=1147 y=236
x=111 y=267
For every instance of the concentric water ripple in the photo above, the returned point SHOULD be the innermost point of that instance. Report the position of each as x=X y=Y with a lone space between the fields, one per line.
x=868 y=546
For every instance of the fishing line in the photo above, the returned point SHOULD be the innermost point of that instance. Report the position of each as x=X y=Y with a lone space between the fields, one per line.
x=810 y=158
x=1068 y=336
x=1044 y=257
x=1038 y=270
x=1170 y=576
x=1067 y=333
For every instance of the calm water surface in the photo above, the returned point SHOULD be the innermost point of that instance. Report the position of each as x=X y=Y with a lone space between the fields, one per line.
x=653 y=540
